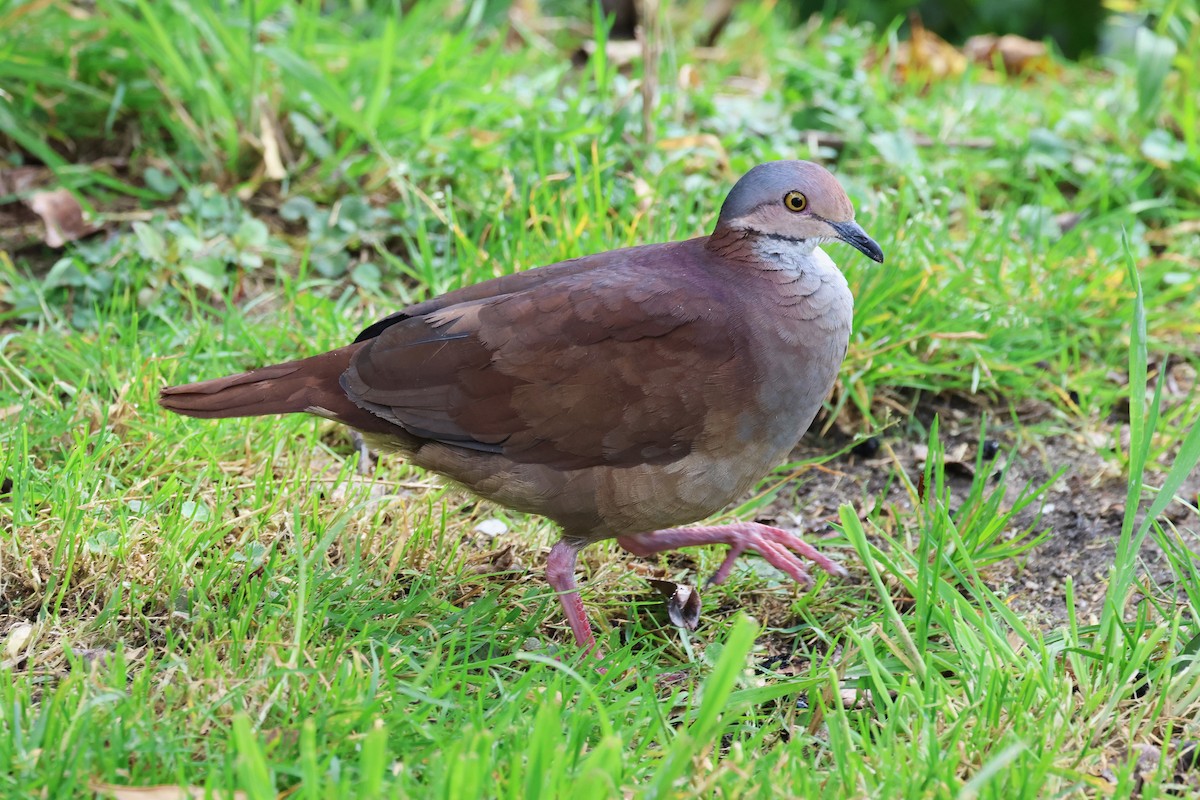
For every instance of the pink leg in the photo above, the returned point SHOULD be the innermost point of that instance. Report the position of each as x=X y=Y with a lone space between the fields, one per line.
x=560 y=572
x=777 y=546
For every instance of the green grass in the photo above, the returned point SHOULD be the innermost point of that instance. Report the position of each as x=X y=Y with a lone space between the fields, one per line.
x=232 y=606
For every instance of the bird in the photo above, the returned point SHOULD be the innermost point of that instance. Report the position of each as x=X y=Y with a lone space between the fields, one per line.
x=624 y=394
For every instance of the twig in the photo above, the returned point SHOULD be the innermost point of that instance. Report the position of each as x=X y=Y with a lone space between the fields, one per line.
x=721 y=12
x=816 y=139
x=648 y=34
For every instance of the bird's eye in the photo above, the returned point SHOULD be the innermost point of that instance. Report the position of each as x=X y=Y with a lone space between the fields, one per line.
x=795 y=201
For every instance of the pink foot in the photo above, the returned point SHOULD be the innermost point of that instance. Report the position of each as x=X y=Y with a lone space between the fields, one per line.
x=777 y=546
x=560 y=573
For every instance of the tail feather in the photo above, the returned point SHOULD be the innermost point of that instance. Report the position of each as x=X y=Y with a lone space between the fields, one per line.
x=308 y=385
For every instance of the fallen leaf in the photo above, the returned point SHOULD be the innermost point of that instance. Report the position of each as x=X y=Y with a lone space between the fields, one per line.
x=683 y=603
x=692 y=141
x=161 y=792
x=483 y=138
x=492 y=561
x=272 y=163
x=689 y=78
x=62 y=216
x=703 y=150
x=925 y=56
x=1018 y=55
x=14 y=644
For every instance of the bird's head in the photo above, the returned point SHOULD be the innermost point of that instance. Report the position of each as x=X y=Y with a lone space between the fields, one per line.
x=794 y=201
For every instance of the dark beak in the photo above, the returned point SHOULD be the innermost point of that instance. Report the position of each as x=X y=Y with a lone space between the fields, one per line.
x=856 y=237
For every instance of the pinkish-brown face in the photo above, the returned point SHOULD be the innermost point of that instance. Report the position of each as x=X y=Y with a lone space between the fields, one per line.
x=796 y=201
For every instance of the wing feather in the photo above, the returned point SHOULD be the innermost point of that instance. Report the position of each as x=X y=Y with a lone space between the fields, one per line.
x=584 y=369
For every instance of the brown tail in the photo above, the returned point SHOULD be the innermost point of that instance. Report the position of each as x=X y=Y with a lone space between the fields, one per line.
x=310 y=384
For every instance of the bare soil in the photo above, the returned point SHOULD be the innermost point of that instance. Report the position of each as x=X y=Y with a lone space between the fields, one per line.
x=1082 y=508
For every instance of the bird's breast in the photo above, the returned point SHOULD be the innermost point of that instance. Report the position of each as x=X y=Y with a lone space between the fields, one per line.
x=800 y=340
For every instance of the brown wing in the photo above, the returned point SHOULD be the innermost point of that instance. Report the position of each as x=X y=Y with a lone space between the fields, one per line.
x=588 y=369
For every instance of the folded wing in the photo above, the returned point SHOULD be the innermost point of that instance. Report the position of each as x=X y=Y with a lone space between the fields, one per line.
x=594 y=368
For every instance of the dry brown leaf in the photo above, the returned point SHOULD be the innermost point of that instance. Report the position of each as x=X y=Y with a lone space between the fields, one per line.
x=925 y=56
x=482 y=138
x=709 y=144
x=692 y=141
x=161 y=792
x=62 y=216
x=1020 y=56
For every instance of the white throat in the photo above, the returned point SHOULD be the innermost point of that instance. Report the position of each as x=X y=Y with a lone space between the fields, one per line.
x=797 y=256
x=803 y=269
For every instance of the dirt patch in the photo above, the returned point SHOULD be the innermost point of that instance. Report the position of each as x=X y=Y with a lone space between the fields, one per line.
x=1082 y=508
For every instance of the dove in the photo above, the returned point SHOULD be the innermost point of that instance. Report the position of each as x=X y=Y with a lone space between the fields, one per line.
x=625 y=394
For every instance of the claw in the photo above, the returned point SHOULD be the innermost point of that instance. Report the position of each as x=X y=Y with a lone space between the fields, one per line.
x=777 y=546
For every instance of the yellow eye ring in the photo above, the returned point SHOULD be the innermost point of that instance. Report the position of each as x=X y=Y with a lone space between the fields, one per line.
x=794 y=201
